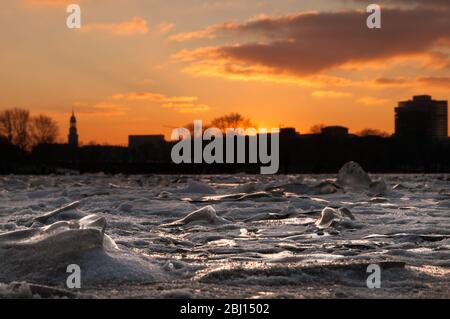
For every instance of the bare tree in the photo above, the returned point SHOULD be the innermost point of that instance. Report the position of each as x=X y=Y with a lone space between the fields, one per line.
x=190 y=127
x=6 y=127
x=21 y=121
x=18 y=128
x=372 y=132
x=43 y=130
x=317 y=128
x=233 y=120
x=14 y=126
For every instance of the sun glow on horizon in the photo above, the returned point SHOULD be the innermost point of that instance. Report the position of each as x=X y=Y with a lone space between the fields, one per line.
x=132 y=69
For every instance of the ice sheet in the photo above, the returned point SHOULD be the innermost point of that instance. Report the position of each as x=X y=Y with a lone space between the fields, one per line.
x=265 y=241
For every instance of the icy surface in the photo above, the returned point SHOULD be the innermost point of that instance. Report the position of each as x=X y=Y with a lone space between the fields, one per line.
x=226 y=236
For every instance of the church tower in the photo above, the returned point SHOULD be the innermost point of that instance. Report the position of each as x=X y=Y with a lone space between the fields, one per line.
x=73 y=135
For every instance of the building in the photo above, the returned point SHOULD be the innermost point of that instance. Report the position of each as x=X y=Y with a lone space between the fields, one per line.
x=335 y=131
x=73 y=134
x=421 y=118
x=288 y=132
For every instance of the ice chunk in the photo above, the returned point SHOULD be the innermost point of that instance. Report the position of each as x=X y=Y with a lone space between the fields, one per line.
x=205 y=215
x=345 y=212
x=353 y=177
x=327 y=218
x=330 y=215
x=42 y=254
x=44 y=218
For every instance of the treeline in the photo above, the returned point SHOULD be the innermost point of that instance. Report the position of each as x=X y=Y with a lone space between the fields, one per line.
x=18 y=127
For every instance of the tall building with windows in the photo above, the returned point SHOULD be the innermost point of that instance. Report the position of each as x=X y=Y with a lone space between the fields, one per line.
x=422 y=118
x=73 y=134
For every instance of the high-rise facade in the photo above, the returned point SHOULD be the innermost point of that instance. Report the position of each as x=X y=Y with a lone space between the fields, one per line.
x=421 y=118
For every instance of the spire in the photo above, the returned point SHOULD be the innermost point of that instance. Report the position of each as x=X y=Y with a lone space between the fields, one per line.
x=73 y=134
x=73 y=119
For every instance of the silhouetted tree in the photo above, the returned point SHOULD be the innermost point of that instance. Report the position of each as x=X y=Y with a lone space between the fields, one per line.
x=317 y=128
x=372 y=132
x=6 y=126
x=233 y=120
x=190 y=127
x=14 y=126
x=43 y=130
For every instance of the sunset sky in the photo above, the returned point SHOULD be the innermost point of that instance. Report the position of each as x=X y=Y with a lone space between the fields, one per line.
x=148 y=66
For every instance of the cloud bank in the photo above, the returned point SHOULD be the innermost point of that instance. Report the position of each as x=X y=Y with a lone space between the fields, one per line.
x=306 y=45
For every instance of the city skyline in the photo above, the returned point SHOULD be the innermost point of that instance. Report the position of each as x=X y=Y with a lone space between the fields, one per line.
x=147 y=67
x=418 y=118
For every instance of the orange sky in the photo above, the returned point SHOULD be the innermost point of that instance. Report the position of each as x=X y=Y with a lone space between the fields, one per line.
x=145 y=67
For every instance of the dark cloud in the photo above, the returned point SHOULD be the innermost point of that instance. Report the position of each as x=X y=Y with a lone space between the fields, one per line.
x=307 y=44
x=425 y=3
x=436 y=81
x=391 y=81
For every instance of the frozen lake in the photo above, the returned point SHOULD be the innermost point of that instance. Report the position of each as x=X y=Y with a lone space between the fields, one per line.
x=250 y=236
